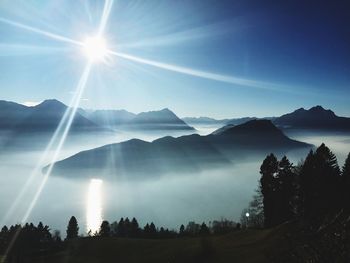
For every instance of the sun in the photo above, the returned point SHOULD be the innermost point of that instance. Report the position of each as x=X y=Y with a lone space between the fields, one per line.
x=95 y=48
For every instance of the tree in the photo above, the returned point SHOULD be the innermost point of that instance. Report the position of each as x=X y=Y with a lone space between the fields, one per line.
x=346 y=183
x=192 y=228
x=146 y=230
x=182 y=230
x=134 y=228
x=152 y=230
x=285 y=191
x=57 y=236
x=204 y=230
x=319 y=185
x=268 y=171
x=121 y=228
x=72 y=228
x=223 y=226
x=255 y=210
x=127 y=227
x=105 y=229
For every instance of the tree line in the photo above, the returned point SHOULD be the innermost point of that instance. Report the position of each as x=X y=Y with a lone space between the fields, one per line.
x=309 y=192
x=20 y=242
x=125 y=228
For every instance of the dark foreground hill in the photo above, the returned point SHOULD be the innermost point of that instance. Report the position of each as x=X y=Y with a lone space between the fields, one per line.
x=285 y=243
x=183 y=154
x=242 y=246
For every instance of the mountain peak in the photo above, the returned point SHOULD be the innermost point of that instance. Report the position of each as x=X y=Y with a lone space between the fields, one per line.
x=52 y=103
x=316 y=117
x=259 y=125
x=253 y=126
x=319 y=109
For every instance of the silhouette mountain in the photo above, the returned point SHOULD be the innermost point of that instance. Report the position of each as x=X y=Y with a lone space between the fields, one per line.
x=11 y=114
x=162 y=119
x=315 y=118
x=185 y=153
x=255 y=134
x=45 y=116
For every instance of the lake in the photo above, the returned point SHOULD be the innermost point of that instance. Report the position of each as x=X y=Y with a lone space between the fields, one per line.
x=169 y=200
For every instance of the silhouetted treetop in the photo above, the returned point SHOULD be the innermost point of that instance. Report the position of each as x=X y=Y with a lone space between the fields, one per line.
x=105 y=230
x=72 y=228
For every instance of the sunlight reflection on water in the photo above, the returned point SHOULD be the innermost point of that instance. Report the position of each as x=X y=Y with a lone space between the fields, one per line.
x=94 y=205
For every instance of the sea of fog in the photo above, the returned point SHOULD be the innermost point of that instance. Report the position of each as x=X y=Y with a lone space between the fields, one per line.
x=169 y=200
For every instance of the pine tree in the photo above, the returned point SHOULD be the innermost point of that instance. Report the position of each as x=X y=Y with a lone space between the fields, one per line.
x=152 y=230
x=105 y=229
x=182 y=230
x=127 y=227
x=285 y=192
x=319 y=185
x=134 y=229
x=146 y=230
x=346 y=183
x=121 y=228
x=73 y=228
x=268 y=171
x=204 y=230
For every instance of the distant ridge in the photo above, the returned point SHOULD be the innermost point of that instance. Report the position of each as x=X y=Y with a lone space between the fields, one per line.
x=45 y=116
x=315 y=118
x=161 y=119
x=182 y=154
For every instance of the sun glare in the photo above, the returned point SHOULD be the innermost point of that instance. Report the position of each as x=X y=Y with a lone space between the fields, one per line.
x=95 y=48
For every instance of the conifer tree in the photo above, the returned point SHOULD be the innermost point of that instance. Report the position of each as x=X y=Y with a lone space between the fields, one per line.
x=72 y=228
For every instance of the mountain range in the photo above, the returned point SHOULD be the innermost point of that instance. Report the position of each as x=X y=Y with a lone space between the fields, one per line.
x=163 y=119
x=186 y=153
x=315 y=118
x=46 y=116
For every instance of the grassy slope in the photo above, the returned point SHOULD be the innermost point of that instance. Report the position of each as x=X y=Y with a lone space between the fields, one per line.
x=241 y=246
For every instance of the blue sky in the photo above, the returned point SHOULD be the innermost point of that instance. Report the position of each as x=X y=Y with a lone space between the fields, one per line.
x=236 y=58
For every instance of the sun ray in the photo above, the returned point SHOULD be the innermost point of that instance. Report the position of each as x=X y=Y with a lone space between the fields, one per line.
x=66 y=122
x=105 y=15
x=40 y=31
x=37 y=170
x=80 y=88
x=69 y=115
x=199 y=73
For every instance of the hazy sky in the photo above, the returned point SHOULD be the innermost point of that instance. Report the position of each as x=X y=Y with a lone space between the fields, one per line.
x=196 y=57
